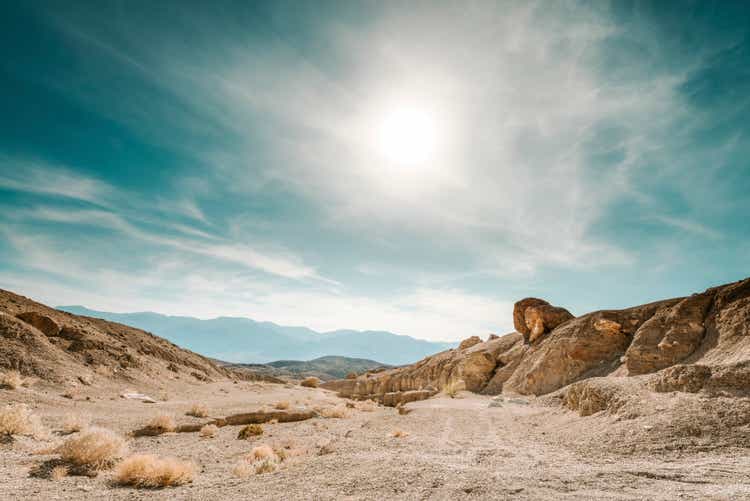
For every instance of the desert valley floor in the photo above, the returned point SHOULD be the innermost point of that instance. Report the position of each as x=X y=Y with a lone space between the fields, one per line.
x=453 y=448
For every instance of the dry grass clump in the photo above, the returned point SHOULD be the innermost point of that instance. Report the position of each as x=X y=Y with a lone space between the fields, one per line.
x=198 y=410
x=17 y=419
x=262 y=459
x=367 y=406
x=163 y=423
x=58 y=472
x=282 y=406
x=209 y=431
x=452 y=388
x=310 y=382
x=399 y=434
x=95 y=448
x=334 y=412
x=149 y=471
x=11 y=380
x=73 y=423
x=251 y=430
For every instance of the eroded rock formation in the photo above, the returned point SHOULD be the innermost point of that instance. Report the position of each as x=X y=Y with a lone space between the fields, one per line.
x=700 y=343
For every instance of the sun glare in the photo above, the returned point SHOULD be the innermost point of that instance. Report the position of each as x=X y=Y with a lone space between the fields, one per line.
x=407 y=136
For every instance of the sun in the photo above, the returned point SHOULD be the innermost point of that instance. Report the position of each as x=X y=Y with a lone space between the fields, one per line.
x=407 y=135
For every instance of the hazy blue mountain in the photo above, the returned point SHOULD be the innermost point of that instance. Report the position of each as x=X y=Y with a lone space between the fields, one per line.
x=243 y=340
x=325 y=368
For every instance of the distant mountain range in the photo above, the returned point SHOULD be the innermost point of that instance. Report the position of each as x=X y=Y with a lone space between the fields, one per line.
x=325 y=368
x=243 y=340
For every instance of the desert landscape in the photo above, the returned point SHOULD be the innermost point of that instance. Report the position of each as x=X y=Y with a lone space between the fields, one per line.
x=649 y=402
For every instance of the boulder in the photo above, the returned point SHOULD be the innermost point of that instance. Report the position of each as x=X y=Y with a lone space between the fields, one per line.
x=44 y=323
x=469 y=342
x=669 y=336
x=544 y=318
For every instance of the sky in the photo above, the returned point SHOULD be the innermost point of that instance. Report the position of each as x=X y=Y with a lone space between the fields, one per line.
x=414 y=167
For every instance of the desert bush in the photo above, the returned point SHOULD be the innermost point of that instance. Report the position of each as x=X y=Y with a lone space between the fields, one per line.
x=334 y=412
x=310 y=382
x=282 y=406
x=367 y=406
x=198 y=410
x=73 y=423
x=11 y=380
x=251 y=430
x=209 y=431
x=17 y=419
x=95 y=448
x=149 y=471
x=163 y=423
x=262 y=459
x=58 y=472
x=453 y=387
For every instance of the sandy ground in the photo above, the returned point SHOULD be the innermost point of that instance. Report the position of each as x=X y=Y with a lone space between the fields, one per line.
x=455 y=449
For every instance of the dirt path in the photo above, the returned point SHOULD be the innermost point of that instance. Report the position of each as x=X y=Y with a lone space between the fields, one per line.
x=455 y=449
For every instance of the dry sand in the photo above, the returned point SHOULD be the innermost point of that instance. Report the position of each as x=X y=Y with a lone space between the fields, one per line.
x=454 y=449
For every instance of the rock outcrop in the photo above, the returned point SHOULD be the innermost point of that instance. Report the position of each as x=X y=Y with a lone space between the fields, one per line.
x=60 y=347
x=699 y=343
x=533 y=317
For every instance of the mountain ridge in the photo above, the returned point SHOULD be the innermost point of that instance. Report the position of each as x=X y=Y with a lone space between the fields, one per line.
x=245 y=340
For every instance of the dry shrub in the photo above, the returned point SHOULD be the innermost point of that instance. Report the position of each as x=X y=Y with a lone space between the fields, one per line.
x=163 y=423
x=96 y=448
x=399 y=434
x=198 y=410
x=334 y=412
x=261 y=452
x=452 y=388
x=149 y=471
x=262 y=459
x=11 y=380
x=73 y=423
x=367 y=406
x=209 y=431
x=310 y=382
x=251 y=430
x=58 y=472
x=17 y=419
x=282 y=406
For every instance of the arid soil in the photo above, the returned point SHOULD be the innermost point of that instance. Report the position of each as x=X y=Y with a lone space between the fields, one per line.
x=455 y=448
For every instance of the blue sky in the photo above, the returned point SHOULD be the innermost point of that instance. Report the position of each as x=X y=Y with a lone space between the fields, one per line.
x=226 y=158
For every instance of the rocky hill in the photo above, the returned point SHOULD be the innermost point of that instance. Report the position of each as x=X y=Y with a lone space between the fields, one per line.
x=686 y=360
x=60 y=347
x=324 y=368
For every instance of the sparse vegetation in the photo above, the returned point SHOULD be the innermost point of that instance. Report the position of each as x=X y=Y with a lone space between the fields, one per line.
x=453 y=387
x=282 y=406
x=198 y=410
x=310 y=382
x=73 y=423
x=262 y=459
x=163 y=423
x=11 y=380
x=209 y=431
x=334 y=412
x=251 y=430
x=95 y=448
x=149 y=471
x=17 y=419
x=58 y=472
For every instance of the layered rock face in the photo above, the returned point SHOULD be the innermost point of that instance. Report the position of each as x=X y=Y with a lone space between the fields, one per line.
x=699 y=343
x=60 y=347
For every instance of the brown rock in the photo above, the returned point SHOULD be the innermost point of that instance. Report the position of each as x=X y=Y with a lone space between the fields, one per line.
x=42 y=322
x=469 y=342
x=519 y=314
x=544 y=318
x=669 y=336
